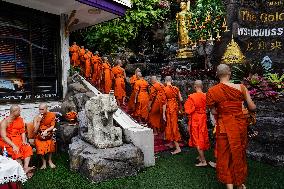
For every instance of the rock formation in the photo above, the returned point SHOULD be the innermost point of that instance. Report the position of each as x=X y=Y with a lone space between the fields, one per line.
x=268 y=146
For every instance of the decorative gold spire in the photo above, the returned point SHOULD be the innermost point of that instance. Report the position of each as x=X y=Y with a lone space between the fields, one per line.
x=233 y=53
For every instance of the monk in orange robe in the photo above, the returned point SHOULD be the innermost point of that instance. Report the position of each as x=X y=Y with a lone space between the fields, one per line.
x=44 y=124
x=82 y=52
x=226 y=101
x=170 y=114
x=195 y=107
x=74 y=50
x=156 y=105
x=141 y=98
x=107 y=76
x=119 y=83
x=97 y=69
x=13 y=138
x=87 y=58
x=133 y=79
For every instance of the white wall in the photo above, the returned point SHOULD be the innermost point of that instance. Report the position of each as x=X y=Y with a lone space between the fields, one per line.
x=28 y=110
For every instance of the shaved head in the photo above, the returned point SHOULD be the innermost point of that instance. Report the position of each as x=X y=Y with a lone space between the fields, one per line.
x=139 y=74
x=15 y=111
x=153 y=79
x=43 y=105
x=118 y=62
x=137 y=70
x=43 y=108
x=198 y=83
x=223 y=70
x=168 y=79
x=14 y=108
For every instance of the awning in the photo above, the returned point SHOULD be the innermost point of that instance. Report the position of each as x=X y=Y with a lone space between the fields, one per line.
x=88 y=12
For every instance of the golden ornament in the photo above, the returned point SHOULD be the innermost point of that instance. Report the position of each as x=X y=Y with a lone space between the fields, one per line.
x=233 y=53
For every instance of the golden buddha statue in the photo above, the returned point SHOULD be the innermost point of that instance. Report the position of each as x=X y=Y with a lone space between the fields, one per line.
x=183 y=19
x=233 y=53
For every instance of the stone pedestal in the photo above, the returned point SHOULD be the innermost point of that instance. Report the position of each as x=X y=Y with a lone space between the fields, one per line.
x=104 y=164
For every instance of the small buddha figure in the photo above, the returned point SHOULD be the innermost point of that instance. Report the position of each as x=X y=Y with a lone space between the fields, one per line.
x=183 y=19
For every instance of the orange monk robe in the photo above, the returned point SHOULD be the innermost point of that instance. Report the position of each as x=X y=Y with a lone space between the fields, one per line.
x=142 y=101
x=97 y=70
x=195 y=107
x=74 y=50
x=131 y=104
x=107 y=77
x=82 y=52
x=231 y=133
x=119 y=84
x=45 y=146
x=87 y=58
x=14 y=132
x=158 y=98
x=172 y=108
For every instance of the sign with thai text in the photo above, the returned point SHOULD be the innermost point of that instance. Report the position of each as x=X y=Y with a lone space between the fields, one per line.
x=261 y=29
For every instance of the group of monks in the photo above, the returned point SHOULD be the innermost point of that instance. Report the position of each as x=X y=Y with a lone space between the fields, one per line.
x=155 y=105
x=162 y=103
x=98 y=70
x=158 y=105
x=16 y=134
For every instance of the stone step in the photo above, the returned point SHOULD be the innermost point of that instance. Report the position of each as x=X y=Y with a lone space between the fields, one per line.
x=271 y=153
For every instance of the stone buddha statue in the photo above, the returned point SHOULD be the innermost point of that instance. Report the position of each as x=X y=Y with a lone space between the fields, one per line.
x=183 y=19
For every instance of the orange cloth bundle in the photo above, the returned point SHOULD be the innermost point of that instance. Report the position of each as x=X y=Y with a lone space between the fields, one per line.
x=71 y=116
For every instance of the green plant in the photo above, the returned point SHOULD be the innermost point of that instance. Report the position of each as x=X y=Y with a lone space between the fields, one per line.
x=109 y=36
x=172 y=31
x=207 y=19
x=277 y=80
x=73 y=70
x=248 y=68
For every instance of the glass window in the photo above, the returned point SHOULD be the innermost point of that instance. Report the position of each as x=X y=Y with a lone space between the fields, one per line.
x=29 y=54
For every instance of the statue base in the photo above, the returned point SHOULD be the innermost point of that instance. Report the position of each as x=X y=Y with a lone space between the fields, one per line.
x=184 y=53
x=104 y=164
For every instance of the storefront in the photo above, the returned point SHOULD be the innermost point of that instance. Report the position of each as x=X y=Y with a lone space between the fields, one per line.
x=34 y=43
